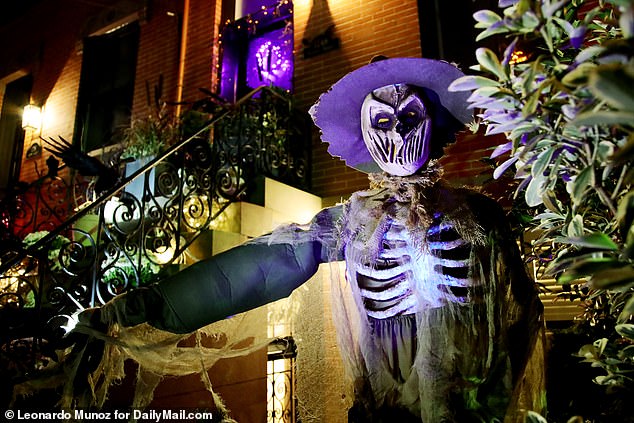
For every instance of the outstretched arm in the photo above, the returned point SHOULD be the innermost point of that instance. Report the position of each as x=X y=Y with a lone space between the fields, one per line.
x=237 y=280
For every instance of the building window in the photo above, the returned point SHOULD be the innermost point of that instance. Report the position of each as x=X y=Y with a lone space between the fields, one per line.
x=257 y=50
x=447 y=30
x=16 y=95
x=107 y=86
x=270 y=60
x=280 y=378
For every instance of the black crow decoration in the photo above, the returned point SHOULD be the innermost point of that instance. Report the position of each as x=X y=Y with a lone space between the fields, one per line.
x=86 y=165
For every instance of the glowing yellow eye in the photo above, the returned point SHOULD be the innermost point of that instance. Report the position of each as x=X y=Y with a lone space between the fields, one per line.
x=383 y=121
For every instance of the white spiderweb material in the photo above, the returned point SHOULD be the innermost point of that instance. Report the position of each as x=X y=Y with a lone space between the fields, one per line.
x=337 y=352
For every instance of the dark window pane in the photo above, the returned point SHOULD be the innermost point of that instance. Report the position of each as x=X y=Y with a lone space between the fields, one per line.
x=107 y=86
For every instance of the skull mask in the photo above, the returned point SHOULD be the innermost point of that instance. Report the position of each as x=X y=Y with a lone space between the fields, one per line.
x=396 y=128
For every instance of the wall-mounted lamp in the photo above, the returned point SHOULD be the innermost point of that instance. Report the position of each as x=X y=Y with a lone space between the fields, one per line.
x=32 y=117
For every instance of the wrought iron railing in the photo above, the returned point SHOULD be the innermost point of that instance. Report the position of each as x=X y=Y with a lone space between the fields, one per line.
x=280 y=377
x=136 y=232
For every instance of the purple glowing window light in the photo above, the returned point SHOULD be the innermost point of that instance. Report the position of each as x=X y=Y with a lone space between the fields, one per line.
x=270 y=60
x=246 y=40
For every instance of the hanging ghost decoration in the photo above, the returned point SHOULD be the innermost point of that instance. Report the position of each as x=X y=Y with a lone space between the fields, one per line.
x=446 y=323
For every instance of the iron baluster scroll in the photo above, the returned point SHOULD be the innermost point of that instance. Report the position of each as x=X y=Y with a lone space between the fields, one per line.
x=139 y=230
x=266 y=137
x=281 y=368
x=40 y=206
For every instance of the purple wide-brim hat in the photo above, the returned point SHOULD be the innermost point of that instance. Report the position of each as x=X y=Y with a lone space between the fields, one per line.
x=338 y=111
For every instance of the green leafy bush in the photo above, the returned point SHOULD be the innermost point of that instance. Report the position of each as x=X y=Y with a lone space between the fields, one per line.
x=568 y=115
x=53 y=249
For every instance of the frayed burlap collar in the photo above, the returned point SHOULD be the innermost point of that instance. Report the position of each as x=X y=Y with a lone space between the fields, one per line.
x=406 y=186
x=425 y=198
x=411 y=191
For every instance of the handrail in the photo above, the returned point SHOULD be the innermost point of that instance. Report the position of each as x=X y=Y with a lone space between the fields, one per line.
x=38 y=297
x=108 y=194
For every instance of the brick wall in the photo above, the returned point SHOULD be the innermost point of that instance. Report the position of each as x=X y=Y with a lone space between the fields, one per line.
x=200 y=60
x=463 y=161
x=51 y=52
x=52 y=57
x=365 y=28
x=159 y=49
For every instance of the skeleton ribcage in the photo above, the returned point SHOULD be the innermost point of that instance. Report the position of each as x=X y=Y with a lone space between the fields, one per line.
x=402 y=278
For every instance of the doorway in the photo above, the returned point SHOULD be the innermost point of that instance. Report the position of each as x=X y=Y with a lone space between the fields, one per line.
x=17 y=94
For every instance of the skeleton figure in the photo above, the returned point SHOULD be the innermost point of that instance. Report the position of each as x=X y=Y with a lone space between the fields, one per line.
x=396 y=129
x=445 y=320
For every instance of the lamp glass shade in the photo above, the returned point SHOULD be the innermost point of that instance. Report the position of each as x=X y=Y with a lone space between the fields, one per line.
x=31 y=117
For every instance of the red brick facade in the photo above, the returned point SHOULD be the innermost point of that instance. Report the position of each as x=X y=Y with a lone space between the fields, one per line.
x=364 y=29
x=158 y=54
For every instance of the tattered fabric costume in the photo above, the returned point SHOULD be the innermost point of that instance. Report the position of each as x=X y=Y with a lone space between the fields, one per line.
x=445 y=335
x=438 y=320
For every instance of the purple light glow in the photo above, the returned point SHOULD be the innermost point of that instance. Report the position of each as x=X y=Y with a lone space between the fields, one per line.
x=270 y=60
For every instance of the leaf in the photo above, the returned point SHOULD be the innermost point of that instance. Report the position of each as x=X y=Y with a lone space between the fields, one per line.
x=485 y=18
x=588 y=352
x=506 y=3
x=625 y=152
x=499 y=129
x=565 y=25
x=503 y=167
x=492 y=30
x=551 y=202
x=546 y=36
x=589 y=53
x=471 y=82
x=530 y=73
x=488 y=60
x=548 y=216
x=628 y=310
x=604 y=380
x=586 y=267
x=501 y=149
x=492 y=104
x=531 y=104
x=542 y=162
x=604 y=117
x=549 y=9
x=533 y=101
x=626 y=19
x=533 y=194
x=621 y=277
x=628 y=353
x=614 y=85
x=625 y=214
x=569 y=261
x=530 y=21
x=575 y=228
x=596 y=240
x=605 y=149
x=533 y=417
x=483 y=93
x=579 y=75
x=583 y=181
x=600 y=344
x=522 y=6
x=523 y=128
x=626 y=330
